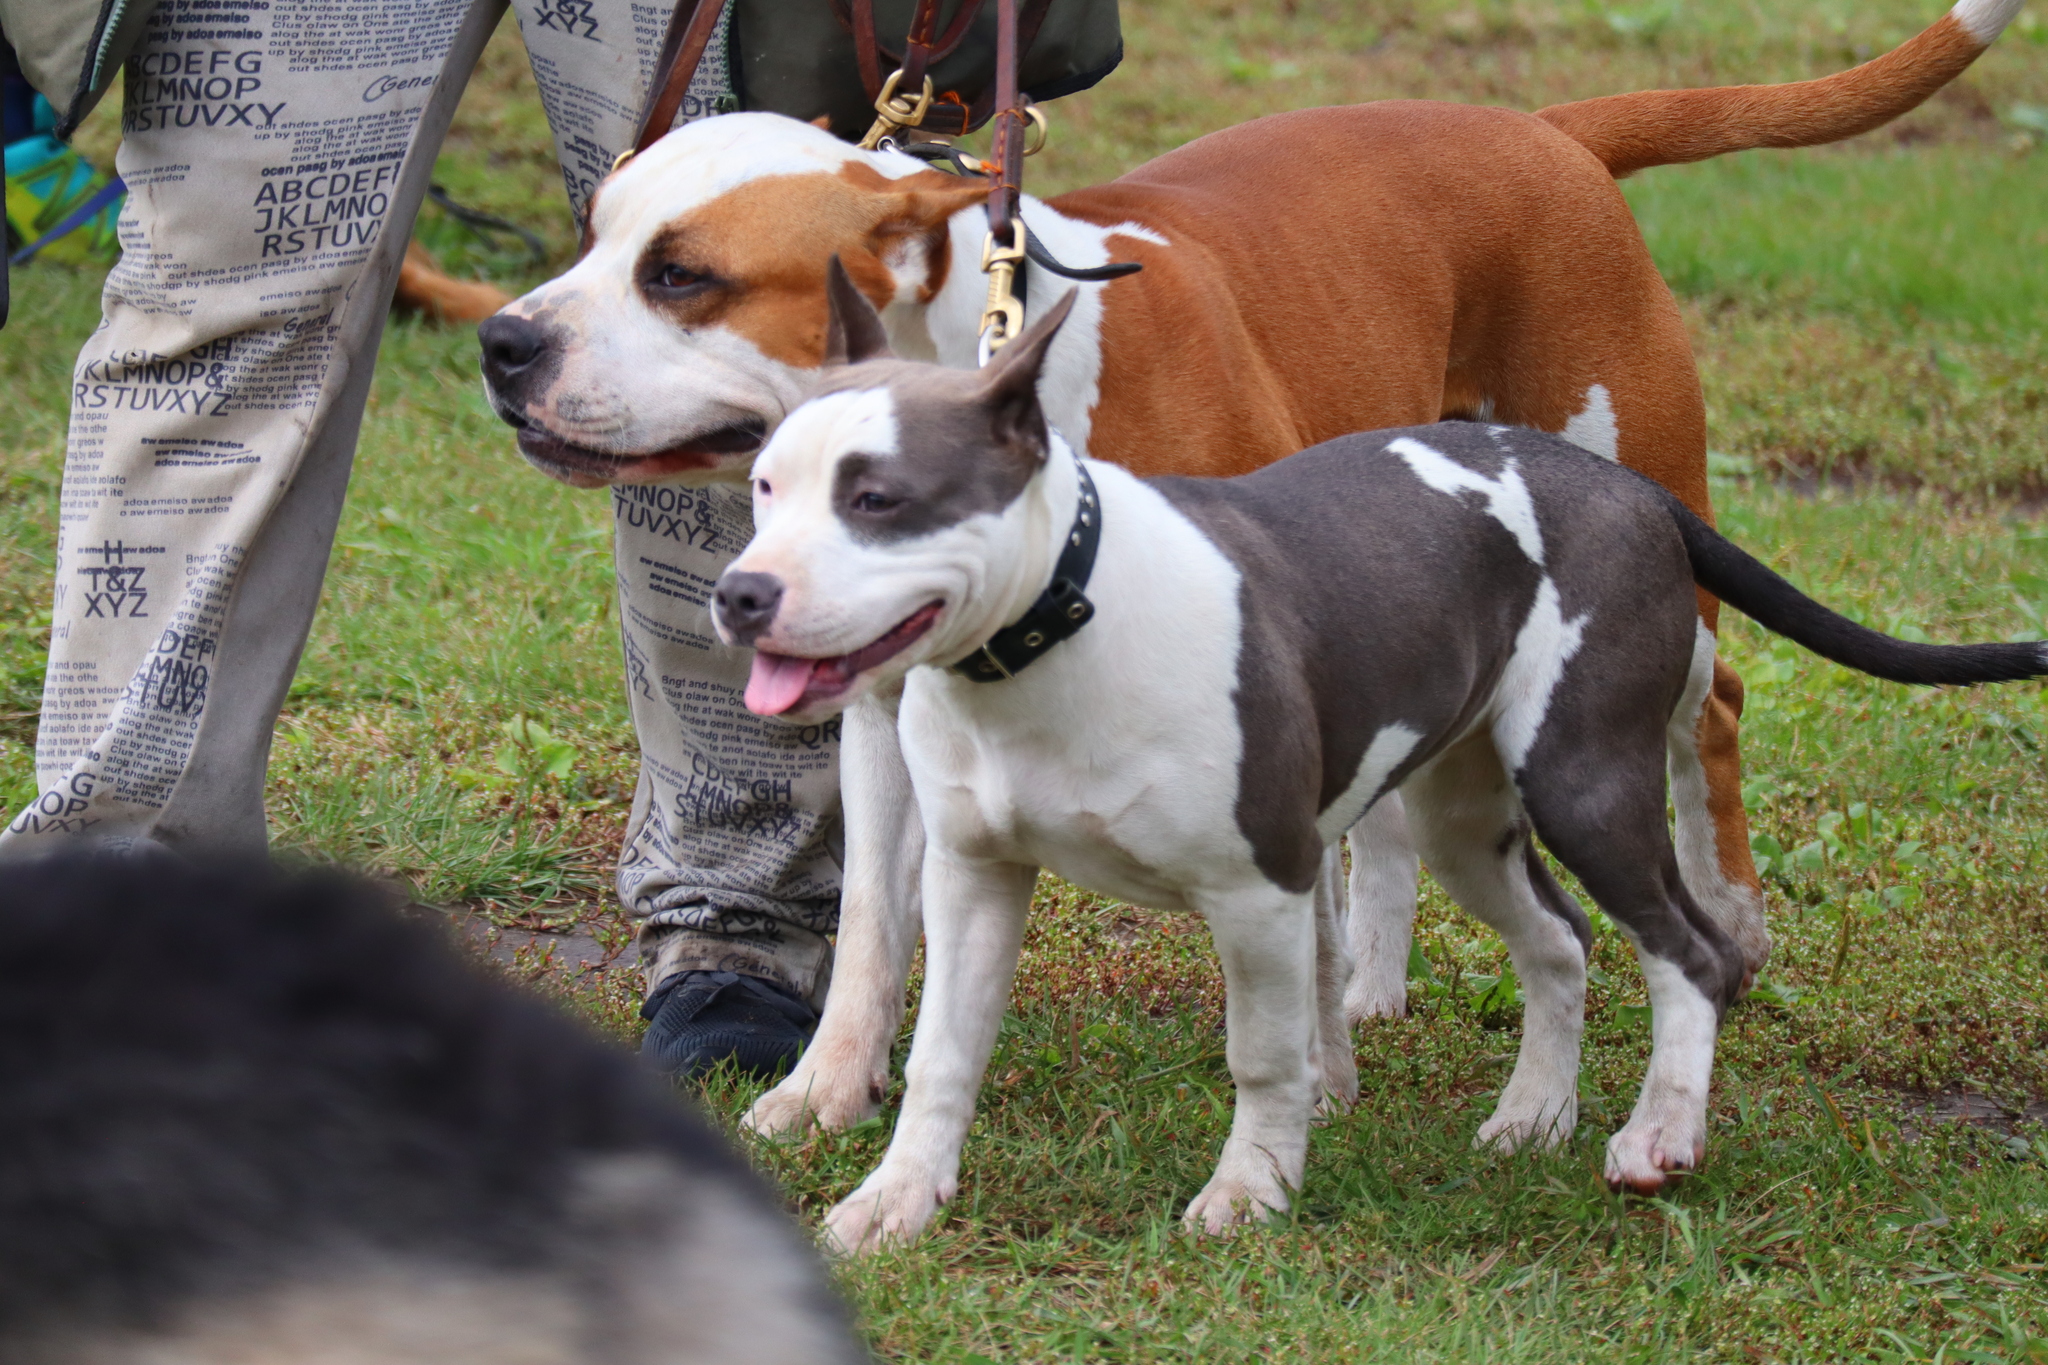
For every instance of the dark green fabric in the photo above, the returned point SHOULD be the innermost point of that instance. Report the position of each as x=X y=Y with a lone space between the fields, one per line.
x=793 y=57
x=70 y=50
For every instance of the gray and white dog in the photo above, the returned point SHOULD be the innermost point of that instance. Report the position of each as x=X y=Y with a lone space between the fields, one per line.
x=1223 y=675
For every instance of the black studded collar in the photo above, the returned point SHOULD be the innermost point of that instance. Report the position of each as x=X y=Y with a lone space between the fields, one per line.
x=1060 y=610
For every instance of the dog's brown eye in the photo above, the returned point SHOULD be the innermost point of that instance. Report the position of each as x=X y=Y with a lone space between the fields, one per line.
x=875 y=502
x=678 y=277
x=761 y=487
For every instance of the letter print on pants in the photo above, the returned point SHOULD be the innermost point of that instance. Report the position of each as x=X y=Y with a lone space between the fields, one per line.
x=734 y=838
x=275 y=157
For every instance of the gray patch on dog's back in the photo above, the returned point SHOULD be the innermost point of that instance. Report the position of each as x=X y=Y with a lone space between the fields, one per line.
x=950 y=463
x=1359 y=612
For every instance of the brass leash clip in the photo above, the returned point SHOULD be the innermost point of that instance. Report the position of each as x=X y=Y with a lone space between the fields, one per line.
x=1003 y=318
x=894 y=111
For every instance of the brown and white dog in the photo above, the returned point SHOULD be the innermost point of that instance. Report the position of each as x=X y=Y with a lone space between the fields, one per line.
x=1305 y=275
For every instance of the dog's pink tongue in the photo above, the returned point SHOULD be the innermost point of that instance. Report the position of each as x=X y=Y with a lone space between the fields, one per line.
x=777 y=682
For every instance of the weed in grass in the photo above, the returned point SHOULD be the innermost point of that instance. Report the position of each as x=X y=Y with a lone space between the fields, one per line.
x=424 y=826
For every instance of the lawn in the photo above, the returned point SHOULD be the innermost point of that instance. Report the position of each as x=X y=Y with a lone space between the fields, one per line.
x=1870 y=323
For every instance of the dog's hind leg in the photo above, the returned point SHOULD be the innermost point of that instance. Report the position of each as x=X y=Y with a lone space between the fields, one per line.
x=1619 y=379
x=974 y=928
x=1597 y=800
x=1336 y=1061
x=1265 y=936
x=843 y=1074
x=1475 y=837
x=1706 y=795
x=1384 y=870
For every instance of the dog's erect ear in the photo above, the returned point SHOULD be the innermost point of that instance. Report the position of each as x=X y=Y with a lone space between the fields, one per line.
x=855 y=331
x=1009 y=386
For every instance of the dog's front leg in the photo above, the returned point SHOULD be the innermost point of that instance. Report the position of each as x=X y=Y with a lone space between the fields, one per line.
x=843 y=1074
x=1384 y=869
x=974 y=925
x=1265 y=937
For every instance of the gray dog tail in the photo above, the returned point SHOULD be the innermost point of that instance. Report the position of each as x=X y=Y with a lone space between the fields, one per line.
x=1731 y=574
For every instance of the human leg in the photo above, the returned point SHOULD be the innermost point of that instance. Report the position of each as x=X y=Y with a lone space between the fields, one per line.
x=732 y=852
x=216 y=408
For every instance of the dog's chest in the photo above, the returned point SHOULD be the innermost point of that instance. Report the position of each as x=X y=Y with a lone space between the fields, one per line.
x=1143 y=827
x=1114 y=760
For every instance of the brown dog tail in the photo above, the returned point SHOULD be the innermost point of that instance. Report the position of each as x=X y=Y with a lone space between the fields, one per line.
x=424 y=289
x=1666 y=127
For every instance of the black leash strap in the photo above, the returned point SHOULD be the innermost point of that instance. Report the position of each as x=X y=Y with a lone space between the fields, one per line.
x=484 y=224
x=1061 y=610
x=1034 y=249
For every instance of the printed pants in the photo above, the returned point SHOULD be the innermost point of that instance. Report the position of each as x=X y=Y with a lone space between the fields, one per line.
x=275 y=155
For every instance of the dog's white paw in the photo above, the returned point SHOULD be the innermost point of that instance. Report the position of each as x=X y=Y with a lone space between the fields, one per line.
x=1528 y=1120
x=1645 y=1155
x=1243 y=1190
x=888 y=1207
x=819 y=1095
x=1364 y=999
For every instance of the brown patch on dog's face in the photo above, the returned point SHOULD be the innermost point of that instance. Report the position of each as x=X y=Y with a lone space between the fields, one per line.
x=753 y=260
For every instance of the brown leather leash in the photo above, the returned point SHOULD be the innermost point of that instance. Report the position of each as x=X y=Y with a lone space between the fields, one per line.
x=682 y=50
x=920 y=50
x=1002 y=253
x=692 y=23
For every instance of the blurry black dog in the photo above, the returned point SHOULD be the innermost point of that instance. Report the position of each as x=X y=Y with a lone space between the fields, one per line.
x=251 y=1116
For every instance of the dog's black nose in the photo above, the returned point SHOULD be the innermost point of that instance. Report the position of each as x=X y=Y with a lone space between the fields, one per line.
x=510 y=345
x=746 y=603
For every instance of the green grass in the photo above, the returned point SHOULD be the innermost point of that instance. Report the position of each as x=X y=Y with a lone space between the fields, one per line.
x=1869 y=321
x=1957 y=238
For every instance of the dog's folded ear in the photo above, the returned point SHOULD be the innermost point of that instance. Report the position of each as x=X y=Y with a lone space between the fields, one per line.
x=854 y=332
x=1009 y=387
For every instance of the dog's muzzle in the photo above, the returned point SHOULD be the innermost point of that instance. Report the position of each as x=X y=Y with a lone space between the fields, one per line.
x=522 y=361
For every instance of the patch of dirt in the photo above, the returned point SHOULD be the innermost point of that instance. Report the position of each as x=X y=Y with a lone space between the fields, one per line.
x=1965 y=1106
x=595 y=947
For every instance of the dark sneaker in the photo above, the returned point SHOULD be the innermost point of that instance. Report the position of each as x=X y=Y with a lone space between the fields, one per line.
x=698 y=1019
